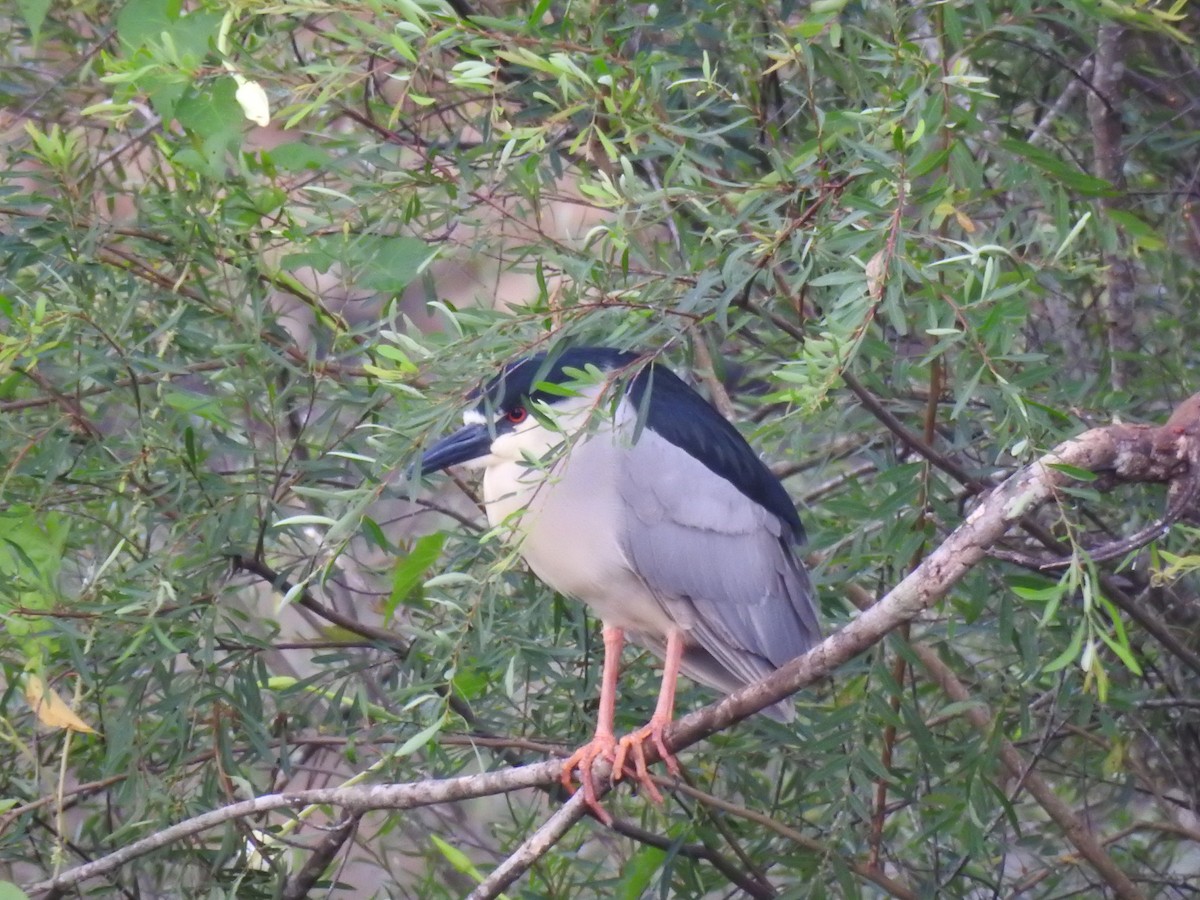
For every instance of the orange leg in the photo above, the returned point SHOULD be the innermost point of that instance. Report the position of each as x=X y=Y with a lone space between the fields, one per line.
x=664 y=711
x=604 y=742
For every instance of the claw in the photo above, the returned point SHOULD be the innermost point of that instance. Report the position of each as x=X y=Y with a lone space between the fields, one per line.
x=654 y=730
x=602 y=746
x=634 y=743
x=605 y=745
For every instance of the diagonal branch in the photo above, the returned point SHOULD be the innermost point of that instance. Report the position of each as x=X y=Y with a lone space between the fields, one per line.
x=1077 y=832
x=534 y=848
x=356 y=799
x=1122 y=453
x=1125 y=453
x=301 y=884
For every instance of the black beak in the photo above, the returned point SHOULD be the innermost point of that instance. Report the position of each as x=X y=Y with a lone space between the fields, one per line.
x=469 y=442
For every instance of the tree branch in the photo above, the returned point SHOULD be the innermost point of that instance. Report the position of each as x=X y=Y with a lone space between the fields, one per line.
x=1122 y=453
x=535 y=847
x=817 y=848
x=356 y=799
x=299 y=885
x=1076 y=831
x=1109 y=160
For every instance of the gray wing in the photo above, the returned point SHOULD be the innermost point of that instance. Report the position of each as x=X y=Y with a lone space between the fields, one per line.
x=720 y=563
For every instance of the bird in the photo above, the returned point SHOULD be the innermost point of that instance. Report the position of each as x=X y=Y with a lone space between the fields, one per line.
x=625 y=489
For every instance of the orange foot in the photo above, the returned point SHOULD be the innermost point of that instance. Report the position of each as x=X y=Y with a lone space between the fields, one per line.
x=634 y=741
x=602 y=746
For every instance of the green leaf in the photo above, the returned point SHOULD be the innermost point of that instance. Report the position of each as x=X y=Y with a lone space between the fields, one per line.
x=141 y=21
x=202 y=406
x=9 y=891
x=396 y=355
x=457 y=859
x=639 y=872
x=34 y=14
x=380 y=262
x=421 y=738
x=1123 y=651
x=1147 y=237
x=213 y=116
x=297 y=156
x=376 y=535
x=32 y=546
x=1069 y=655
x=305 y=519
x=1065 y=172
x=170 y=37
x=929 y=162
x=555 y=390
x=1039 y=594
x=470 y=683
x=409 y=570
x=1074 y=471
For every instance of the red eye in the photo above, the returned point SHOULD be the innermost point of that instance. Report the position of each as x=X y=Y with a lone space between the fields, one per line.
x=517 y=415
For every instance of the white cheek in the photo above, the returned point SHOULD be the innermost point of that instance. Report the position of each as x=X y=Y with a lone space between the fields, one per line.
x=531 y=440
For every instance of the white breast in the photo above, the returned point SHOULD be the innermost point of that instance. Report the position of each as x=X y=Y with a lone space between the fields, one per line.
x=569 y=522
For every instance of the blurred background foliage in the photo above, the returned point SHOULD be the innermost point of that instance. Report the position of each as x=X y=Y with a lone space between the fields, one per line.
x=252 y=256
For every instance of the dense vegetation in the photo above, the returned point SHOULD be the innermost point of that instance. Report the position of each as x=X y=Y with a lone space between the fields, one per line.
x=253 y=254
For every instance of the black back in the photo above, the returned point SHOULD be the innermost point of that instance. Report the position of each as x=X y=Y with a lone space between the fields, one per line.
x=674 y=412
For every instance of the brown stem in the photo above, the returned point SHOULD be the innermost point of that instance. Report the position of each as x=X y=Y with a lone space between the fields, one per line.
x=1108 y=73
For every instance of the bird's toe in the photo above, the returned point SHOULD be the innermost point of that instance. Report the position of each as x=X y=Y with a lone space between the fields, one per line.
x=602 y=746
x=632 y=747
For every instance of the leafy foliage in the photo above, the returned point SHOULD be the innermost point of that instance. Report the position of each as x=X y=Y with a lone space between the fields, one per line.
x=885 y=234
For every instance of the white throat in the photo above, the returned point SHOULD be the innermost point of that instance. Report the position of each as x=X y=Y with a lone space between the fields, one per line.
x=527 y=462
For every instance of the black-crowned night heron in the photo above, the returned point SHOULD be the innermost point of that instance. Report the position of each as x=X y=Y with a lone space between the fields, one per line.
x=642 y=501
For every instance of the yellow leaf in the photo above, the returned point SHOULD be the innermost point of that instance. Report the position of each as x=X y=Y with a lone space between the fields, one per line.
x=253 y=100
x=876 y=274
x=50 y=708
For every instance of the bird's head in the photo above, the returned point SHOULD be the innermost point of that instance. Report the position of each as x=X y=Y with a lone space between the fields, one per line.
x=531 y=407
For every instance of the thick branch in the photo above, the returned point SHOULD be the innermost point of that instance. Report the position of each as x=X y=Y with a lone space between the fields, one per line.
x=1119 y=453
x=1109 y=160
x=1126 y=453
x=356 y=799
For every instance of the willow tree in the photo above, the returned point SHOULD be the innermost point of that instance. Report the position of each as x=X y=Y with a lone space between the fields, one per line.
x=251 y=256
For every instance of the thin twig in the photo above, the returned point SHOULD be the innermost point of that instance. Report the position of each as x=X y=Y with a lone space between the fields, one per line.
x=1074 y=86
x=535 y=847
x=817 y=848
x=1076 y=831
x=299 y=885
x=708 y=374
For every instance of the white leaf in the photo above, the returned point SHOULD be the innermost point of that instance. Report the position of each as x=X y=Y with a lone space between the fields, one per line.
x=253 y=100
